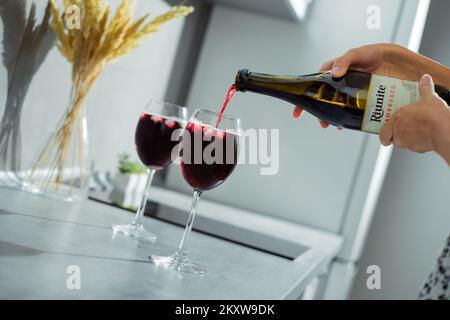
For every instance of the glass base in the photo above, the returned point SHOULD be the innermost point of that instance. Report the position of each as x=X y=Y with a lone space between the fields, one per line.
x=10 y=180
x=135 y=230
x=178 y=261
x=57 y=192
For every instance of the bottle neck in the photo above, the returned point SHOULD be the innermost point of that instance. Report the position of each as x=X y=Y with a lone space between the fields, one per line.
x=264 y=83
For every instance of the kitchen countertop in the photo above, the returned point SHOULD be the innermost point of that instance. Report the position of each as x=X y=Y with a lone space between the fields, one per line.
x=42 y=241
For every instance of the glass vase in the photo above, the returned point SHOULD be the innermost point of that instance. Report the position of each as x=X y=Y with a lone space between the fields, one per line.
x=61 y=169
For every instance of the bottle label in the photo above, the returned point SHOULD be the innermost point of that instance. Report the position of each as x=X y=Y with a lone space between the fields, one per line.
x=386 y=95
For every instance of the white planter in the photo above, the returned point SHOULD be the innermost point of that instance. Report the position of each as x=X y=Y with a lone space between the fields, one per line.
x=128 y=190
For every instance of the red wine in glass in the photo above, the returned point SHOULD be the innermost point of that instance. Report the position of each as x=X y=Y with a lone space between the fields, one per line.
x=209 y=148
x=200 y=172
x=153 y=138
x=156 y=137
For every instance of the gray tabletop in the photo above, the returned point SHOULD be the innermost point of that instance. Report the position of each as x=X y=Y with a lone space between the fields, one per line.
x=43 y=241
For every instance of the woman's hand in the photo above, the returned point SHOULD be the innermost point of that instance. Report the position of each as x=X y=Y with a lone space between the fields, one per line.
x=382 y=59
x=422 y=126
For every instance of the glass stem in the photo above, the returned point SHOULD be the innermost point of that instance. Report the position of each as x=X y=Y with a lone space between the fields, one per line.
x=140 y=212
x=190 y=222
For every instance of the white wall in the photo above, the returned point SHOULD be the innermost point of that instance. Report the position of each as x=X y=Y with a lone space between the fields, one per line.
x=317 y=166
x=116 y=101
x=412 y=219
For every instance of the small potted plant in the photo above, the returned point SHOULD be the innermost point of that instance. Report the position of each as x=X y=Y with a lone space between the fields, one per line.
x=128 y=183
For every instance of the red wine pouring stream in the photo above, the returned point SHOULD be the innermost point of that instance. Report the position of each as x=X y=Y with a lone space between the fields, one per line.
x=230 y=94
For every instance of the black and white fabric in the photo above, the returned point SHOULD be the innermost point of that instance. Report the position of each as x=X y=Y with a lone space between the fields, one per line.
x=437 y=286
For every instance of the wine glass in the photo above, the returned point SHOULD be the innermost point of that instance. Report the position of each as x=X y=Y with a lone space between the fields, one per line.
x=157 y=134
x=208 y=151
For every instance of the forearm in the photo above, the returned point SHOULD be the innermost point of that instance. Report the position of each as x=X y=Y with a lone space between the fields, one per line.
x=416 y=65
x=441 y=138
x=439 y=72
